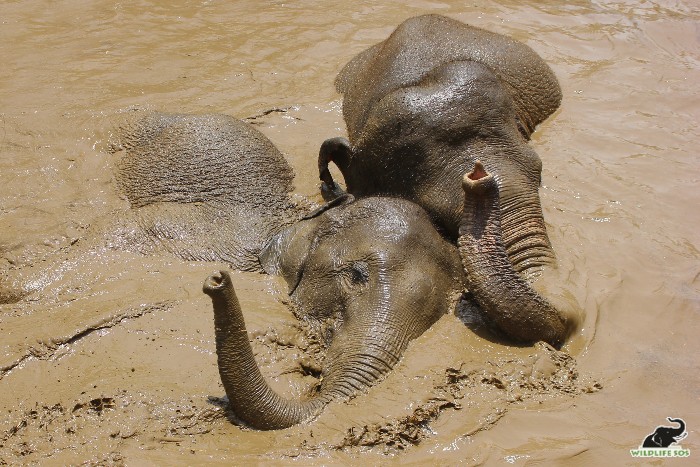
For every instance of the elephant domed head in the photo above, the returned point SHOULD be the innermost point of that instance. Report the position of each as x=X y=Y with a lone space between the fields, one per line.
x=368 y=276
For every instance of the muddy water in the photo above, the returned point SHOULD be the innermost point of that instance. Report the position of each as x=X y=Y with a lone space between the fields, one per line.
x=113 y=362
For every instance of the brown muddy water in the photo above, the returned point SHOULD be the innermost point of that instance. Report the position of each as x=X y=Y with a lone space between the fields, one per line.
x=114 y=363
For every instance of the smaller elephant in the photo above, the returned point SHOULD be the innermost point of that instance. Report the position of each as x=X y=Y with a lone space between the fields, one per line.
x=368 y=276
x=664 y=436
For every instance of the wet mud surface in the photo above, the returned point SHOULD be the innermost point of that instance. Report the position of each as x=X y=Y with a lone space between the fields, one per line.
x=112 y=362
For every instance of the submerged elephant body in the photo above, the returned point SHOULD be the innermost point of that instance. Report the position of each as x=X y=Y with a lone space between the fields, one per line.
x=204 y=187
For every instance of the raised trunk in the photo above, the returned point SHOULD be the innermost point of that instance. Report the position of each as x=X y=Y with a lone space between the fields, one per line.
x=678 y=431
x=250 y=397
x=359 y=356
x=509 y=301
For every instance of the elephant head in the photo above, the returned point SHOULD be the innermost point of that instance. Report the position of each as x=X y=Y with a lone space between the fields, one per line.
x=422 y=107
x=372 y=274
x=664 y=436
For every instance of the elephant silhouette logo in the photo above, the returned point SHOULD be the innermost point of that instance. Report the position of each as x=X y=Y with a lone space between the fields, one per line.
x=664 y=436
x=659 y=443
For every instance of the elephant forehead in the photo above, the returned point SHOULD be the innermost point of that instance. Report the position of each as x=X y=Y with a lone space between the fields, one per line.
x=370 y=217
x=462 y=99
x=390 y=229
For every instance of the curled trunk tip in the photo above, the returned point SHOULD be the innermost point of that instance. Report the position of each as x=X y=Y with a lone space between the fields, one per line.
x=216 y=282
x=478 y=180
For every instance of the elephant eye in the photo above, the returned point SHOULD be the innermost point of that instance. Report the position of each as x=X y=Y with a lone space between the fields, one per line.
x=357 y=273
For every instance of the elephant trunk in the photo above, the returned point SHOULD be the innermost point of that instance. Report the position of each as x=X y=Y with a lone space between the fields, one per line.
x=523 y=229
x=677 y=431
x=509 y=301
x=336 y=150
x=358 y=357
x=250 y=397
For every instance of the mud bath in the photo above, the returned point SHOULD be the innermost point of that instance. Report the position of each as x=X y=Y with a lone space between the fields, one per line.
x=114 y=363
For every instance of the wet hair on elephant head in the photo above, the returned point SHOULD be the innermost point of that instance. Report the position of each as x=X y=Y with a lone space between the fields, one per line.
x=434 y=101
x=375 y=269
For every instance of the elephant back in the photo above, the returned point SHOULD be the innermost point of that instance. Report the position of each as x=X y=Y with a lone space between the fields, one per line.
x=423 y=43
x=203 y=187
x=200 y=158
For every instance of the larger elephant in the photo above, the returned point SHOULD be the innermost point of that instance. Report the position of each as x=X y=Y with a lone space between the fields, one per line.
x=421 y=108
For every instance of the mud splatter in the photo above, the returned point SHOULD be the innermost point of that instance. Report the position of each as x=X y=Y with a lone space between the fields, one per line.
x=547 y=373
x=48 y=348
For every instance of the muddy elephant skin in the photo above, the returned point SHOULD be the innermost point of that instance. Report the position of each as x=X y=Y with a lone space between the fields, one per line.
x=369 y=276
x=421 y=108
x=204 y=187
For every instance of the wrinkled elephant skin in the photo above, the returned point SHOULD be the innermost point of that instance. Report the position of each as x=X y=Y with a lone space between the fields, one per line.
x=421 y=108
x=373 y=272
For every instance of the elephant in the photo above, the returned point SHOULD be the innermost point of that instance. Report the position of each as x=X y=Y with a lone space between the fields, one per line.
x=664 y=436
x=368 y=276
x=202 y=187
x=421 y=108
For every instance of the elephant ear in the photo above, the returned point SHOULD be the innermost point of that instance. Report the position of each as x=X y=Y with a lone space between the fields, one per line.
x=206 y=187
x=286 y=253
